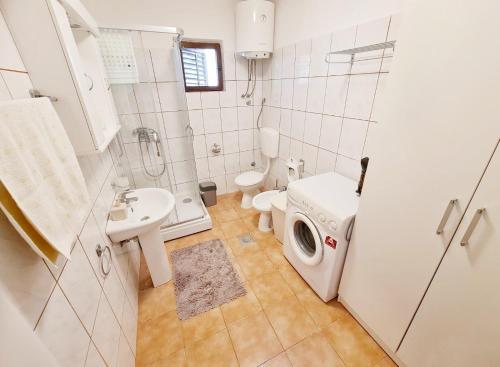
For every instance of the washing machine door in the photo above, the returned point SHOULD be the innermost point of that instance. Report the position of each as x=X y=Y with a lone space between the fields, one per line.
x=305 y=239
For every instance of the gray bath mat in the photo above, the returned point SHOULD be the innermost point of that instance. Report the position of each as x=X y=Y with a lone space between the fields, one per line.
x=204 y=278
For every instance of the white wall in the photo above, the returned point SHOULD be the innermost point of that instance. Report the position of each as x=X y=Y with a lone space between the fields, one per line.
x=299 y=20
x=77 y=313
x=212 y=19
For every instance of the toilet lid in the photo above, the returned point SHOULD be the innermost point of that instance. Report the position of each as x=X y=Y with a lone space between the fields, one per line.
x=279 y=201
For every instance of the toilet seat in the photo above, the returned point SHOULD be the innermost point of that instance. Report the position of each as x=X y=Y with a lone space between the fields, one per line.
x=249 y=178
x=262 y=201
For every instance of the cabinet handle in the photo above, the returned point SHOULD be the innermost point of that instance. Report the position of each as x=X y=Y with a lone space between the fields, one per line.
x=446 y=215
x=91 y=81
x=472 y=226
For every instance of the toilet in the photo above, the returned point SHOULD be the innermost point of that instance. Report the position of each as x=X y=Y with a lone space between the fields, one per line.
x=262 y=202
x=249 y=182
x=272 y=204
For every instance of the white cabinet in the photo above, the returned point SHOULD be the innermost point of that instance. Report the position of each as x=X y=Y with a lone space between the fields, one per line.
x=436 y=135
x=65 y=63
x=458 y=323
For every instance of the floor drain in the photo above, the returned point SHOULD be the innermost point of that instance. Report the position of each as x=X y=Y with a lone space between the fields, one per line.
x=145 y=218
x=187 y=200
x=246 y=239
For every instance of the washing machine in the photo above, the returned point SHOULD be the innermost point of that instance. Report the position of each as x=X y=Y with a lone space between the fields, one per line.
x=319 y=219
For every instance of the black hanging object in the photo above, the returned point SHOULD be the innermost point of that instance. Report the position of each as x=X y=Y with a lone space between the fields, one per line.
x=364 y=166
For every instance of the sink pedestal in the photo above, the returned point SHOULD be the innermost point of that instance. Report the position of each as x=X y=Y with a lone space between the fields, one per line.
x=156 y=256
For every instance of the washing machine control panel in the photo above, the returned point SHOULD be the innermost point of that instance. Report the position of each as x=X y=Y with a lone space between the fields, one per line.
x=317 y=215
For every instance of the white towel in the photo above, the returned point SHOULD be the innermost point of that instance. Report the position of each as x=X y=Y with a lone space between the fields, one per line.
x=39 y=169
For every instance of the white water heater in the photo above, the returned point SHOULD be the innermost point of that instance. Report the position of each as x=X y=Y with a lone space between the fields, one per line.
x=255 y=28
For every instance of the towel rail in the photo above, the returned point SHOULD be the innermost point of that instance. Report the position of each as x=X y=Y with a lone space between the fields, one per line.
x=356 y=50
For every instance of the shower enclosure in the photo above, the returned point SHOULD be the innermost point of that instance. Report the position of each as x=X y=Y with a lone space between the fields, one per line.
x=154 y=147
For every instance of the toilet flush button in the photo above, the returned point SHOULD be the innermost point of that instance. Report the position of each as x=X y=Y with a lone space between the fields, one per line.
x=333 y=225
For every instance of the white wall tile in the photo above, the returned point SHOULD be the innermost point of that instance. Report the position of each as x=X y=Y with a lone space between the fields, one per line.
x=348 y=167
x=300 y=93
x=124 y=97
x=199 y=146
x=210 y=100
x=316 y=94
x=230 y=184
x=326 y=161
x=288 y=66
x=196 y=122
x=146 y=96
x=232 y=163
x=229 y=66
x=266 y=69
x=216 y=166
x=295 y=149
x=352 y=138
x=211 y=120
x=114 y=291
x=287 y=93
x=246 y=159
x=175 y=123
x=245 y=118
x=302 y=58
x=320 y=46
x=284 y=151
x=80 y=285
x=312 y=130
x=172 y=96
x=106 y=333
x=212 y=139
x=94 y=359
x=286 y=122
x=372 y=32
x=246 y=140
x=298 y=121
x=331 y=127
x=275 y=100
x=336 y=93
x=61 y=331
x=360 y=97
x=380 y=100
x=183 y=171
x=193 y=100
x=230 y=140
x=272 y=118
x=241 y=68
x=164 y=64
x=202 y=168
x=129 y=324
x=277 y=64
x=180 y=149
x=310 y=157
x=229 y=117
x=266 y=91
x=227 y=98
x=129 y=124
x=125 y=356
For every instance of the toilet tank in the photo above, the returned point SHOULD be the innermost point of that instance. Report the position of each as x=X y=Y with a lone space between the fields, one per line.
x=269 y=142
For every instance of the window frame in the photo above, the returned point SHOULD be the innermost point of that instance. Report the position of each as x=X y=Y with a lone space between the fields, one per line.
x=200 y=44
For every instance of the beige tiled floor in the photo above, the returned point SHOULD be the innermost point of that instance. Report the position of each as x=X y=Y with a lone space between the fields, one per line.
x=280 y=322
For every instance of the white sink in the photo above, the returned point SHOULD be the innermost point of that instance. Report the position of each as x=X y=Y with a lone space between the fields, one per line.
x=145 y=215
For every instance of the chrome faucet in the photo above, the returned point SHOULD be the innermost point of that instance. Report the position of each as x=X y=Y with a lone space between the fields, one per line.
x=122 y=197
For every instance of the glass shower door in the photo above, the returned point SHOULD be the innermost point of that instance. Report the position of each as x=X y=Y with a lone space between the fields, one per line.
x=156 y=141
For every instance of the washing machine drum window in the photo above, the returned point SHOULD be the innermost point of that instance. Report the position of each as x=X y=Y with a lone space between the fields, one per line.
x=305 y=240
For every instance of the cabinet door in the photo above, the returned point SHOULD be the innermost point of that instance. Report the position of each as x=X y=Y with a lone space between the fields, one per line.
x=458 y=323
x=437 y=130
x=104 y=119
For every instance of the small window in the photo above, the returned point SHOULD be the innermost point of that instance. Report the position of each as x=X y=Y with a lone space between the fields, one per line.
x=202 y=66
